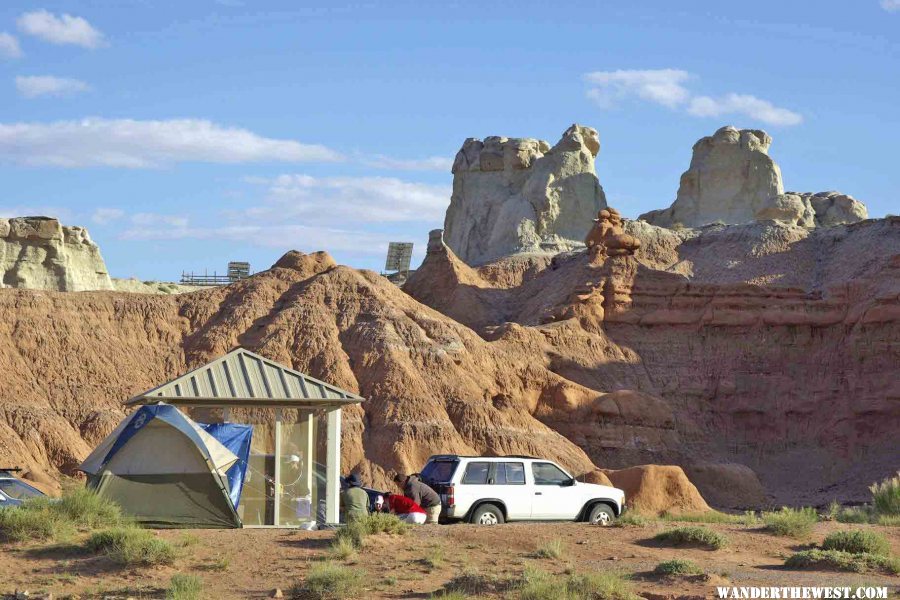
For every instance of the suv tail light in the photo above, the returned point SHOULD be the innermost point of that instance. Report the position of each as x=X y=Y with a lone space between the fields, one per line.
x=451 y=497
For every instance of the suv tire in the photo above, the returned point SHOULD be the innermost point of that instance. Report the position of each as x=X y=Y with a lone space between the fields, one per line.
x=487 y=514
x=601 y=514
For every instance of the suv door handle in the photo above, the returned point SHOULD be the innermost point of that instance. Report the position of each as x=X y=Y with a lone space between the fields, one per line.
x=538 y=493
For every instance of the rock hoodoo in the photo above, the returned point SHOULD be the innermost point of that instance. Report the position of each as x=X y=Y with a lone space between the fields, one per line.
x=732 y=179
x=39 y=253
x=607 y=238
x=517 y=195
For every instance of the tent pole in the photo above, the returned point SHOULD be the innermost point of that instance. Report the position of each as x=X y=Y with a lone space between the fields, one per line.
x=276 y=511
x=333 y=467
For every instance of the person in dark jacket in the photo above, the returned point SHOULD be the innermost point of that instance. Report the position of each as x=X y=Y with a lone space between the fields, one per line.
x=354 y=500
x=420 y=493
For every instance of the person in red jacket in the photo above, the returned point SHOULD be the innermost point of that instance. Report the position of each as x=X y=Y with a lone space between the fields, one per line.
x=406 y=509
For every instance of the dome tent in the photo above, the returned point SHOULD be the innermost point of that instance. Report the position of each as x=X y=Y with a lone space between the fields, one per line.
x=165 y=470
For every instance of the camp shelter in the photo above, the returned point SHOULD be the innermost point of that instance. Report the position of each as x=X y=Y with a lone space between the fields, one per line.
x=165 y=470
x=293 y=469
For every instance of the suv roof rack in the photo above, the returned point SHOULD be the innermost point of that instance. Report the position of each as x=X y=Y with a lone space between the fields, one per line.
x=438 y=456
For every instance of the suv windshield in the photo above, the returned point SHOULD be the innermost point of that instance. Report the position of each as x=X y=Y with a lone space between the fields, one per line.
x=18 y=490
x=439 y=470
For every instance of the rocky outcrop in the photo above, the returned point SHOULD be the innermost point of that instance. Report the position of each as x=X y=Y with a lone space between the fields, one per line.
x=732 y=179
x=39 y=253
x=608 y=238
x=519 y=195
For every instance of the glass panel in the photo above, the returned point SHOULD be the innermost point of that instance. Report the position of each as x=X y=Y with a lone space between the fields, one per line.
x=547 y=474
x=257 y=505
x=439 y=471
x=299 y=495
x=476 y=473
x=17 y=490
x=510 y=473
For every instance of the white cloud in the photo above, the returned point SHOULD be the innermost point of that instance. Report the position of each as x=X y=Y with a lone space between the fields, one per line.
x=666 y=87
x=155 y=220
x=9 y=46
x=890 y=5
x=104 y=216
x=370 y=199
x=743 y=104
x=62 y=29
x=662 y=86
x=432 y=163
x=33 y=86
x=143 y=144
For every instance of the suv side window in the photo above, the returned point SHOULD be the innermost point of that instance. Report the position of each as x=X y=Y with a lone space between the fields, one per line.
x=476 y=473
x=510 y=473
x=548 y=474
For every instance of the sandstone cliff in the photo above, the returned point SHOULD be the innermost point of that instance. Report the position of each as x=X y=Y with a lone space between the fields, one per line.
x=519 y=195
x=39 y=253
x=732 y=179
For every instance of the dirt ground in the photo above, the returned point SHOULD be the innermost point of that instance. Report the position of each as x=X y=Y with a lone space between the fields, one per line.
x=251 y=563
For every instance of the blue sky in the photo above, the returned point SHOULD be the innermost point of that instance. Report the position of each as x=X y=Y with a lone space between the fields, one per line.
x=188 y=134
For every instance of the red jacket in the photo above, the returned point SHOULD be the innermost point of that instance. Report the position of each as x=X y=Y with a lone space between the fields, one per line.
x=403 y=505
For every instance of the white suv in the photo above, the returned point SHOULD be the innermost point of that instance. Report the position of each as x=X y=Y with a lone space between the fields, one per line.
x=488 y=490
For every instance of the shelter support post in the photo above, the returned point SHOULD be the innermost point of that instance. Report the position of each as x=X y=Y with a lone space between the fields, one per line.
x=333 y=467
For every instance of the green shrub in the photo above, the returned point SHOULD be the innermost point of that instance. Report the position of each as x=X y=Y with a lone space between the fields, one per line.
x=791 y=522
x=342 y=548
x=86 y=508
x=692 y=536
x=860 y=514
x=472 y=582
x=184 y=587
x=434 y=557
x=858 y=542
x=888 y=520
x=537 y=585
x=631 y=519
x=356 y=531
x=552 y=549
x=843 y=561
x=32 y=521
x=714 y=516
x=677 y=567
x=886 y=496
x=328 y=581
x=131 y=545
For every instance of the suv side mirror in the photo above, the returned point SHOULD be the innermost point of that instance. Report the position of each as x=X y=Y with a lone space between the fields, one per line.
x=568 y=483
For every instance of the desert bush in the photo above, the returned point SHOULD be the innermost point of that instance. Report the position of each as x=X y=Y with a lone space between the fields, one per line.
x=184 y=587
x=791 y=522
x=131 y=545
x=886 y=496
x=677 y=566
x=86 y=508
x=32 y=521
x=434 y=557
x=888 y=520
x=552 y=549
x=843 y=561
x=858 y=542
x=342 y=548
x=328 y=581
x=537 y=585
x=713 y=516
x=356 y=531
x=858 y=514
x=631 y=519
x=692 y=536
x=472 y=582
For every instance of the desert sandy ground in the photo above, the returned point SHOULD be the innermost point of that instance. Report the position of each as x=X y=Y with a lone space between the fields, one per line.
x=252 y=563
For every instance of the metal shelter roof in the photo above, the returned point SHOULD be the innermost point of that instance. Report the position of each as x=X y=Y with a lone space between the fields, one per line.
x=244 y=378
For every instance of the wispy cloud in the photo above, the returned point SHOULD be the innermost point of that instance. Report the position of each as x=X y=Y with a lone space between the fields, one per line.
x=9 y=46
x=34 y=86
x=156 y=220
x=63 y=29
x=369 y=199
x=743 y=104
x=105 y=216
x=662 y=86
x=432 y=163
x=129 y=143
x=890 y=5
x=667 y=87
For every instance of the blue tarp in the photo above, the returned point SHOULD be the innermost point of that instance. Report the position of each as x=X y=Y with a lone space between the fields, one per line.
x=237 y=439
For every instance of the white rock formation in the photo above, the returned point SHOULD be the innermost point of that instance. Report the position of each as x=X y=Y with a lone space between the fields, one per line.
x=514 y=195
x=39 y=253
x=733 y=180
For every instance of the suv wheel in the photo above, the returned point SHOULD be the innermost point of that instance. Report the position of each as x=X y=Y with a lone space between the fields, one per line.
x=601 y=514
x=487 y=514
